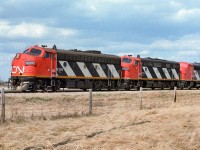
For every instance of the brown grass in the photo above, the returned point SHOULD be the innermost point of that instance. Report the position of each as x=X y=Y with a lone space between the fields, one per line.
x=60 y=121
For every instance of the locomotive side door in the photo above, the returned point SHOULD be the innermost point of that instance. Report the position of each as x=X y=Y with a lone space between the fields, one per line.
x=44 y=66
x=136 y=69
x=48 y=65
x=53 y=69
x=53 y=65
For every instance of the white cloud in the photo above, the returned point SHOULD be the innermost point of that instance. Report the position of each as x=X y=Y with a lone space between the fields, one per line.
x=144 y=52
x=186 y=48
x=98 y=9
x=66 y=32
x=32 y=30
x=186 y=14
x=27 y=30
x=162 y=44
x=189 y=53
x=187 y=42
x=175 y=4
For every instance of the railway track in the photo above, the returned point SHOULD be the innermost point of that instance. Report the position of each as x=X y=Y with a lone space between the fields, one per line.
x=6 y=90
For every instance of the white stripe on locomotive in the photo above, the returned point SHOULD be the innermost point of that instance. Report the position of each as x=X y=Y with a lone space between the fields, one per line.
x=68 y=70
x=196 y=74
x=99 y=70
x=166 y=73
x=84 y=69
x=113 y=71
x=147 y=72
x=157 y=73
x=175 y=74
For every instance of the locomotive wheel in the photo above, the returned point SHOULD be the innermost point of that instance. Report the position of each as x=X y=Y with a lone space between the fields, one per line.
x=84 y=89
x=34 y=88
x=54 y=88
x=127 y=88
x=138 y=88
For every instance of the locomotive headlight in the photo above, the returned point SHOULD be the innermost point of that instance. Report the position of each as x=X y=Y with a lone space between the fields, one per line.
x=29 y=63
x=17 y=56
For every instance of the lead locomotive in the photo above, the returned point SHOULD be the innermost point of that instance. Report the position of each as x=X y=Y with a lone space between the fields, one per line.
x=41 y=68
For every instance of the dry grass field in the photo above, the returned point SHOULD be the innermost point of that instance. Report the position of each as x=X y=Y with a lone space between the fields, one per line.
x=60 y=121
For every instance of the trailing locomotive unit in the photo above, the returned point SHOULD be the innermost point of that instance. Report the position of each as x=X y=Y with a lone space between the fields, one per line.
x=186 y=75
x=150 y=73
x=196 y=74
x=41 y=68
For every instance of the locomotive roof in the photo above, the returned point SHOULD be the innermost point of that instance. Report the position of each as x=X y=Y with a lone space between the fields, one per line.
x=196 y=64
x=158 y=60
x=87 y=53
x=50 y=50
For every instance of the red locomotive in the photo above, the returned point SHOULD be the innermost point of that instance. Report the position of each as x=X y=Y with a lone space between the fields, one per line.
x=42 y=68
x=186 y=75
x=196 y=75
x=149 y=72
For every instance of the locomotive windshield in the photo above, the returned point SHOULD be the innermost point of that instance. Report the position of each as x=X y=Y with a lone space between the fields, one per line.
x=33 y=51
x=126 y=60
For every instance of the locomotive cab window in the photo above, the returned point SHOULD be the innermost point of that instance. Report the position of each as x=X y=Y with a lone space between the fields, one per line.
x=53 y=56
x=126 y=60
x=26 y=51
x=135 y=63
x=34 y=52
x=47 y=55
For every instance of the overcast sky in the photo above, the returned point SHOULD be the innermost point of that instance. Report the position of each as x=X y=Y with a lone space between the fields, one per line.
x=166 y=29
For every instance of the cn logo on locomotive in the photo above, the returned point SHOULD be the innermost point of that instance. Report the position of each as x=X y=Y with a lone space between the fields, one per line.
x=17 y=69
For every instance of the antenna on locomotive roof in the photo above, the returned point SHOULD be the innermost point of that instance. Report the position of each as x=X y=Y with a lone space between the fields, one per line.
x=54 y=47
x=44 y=45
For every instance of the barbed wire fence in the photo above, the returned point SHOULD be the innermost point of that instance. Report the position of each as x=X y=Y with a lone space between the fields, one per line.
x=56 y=106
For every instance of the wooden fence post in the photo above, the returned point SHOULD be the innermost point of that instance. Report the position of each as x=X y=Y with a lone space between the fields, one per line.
x=175 y=88
x=90 y=101
x=140 y=98
x=2 y=105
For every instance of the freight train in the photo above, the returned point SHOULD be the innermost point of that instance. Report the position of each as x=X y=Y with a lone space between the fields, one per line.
x=42 y=68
